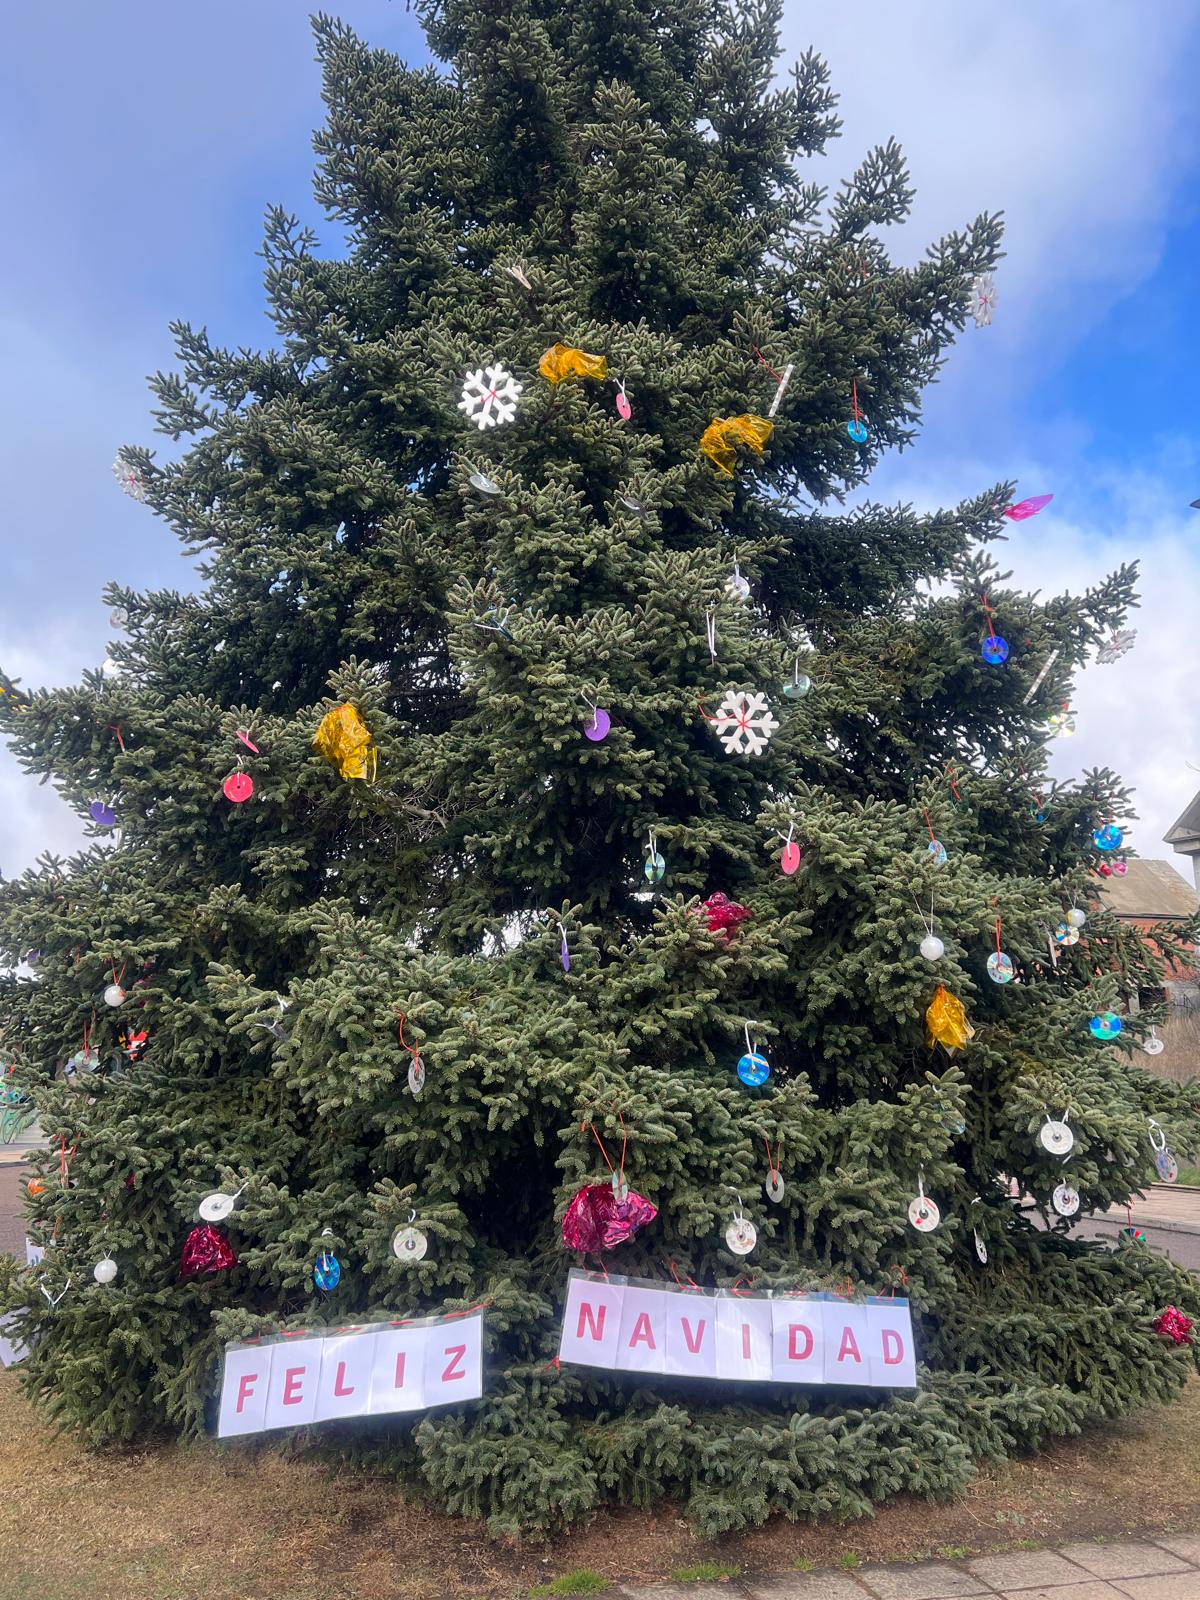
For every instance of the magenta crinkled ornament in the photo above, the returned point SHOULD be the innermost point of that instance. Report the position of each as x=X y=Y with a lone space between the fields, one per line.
x=206 y=1249
x=597 y=1220
x=1174 y=1325
x=723 y=915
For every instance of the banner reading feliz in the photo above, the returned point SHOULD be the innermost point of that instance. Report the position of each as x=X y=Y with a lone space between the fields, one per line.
x=628 y=1325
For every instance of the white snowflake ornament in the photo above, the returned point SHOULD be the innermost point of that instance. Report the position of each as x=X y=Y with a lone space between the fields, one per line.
x=983 y=299
x=1114 y=648
x=744 y=723
x=489 y=396
x=130 y=479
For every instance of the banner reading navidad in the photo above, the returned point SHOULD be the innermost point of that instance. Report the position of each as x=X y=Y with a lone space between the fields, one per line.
x=630 y=1325
x=373 y=1370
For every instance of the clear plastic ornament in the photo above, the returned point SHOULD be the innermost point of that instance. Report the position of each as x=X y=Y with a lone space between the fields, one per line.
x=774 y=1186
x=1152 y=1045
x=485 y=485
x=114 y=995
x=105 y=1271
x=936 y=851
x=1065 y=1200
x=737 y=584
x=118 y=617
x=1166 y=1166
x=932 y=947
x=1076 y=918
x=799 y=686
x=999 y=967
x=631 y=503
x=1057 y=1137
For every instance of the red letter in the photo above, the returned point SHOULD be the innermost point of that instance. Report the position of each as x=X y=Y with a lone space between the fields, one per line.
x=896 y=1344
x=594 y=1317
x=849 y=1347
x=799 y=1355
x=245 y=1389
x=291 y=1390
x=745 y=1341
x=641 y=1332
x=339 y=1380
x=453 y=1370
x=400 y=1370
x=693 y=1342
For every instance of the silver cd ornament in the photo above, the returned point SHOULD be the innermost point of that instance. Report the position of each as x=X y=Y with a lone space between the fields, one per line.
x=105 y=1271
x=980 y=1247
x=1000 y=967
x=485 y=485
x=216 y=1207
x=774 y=1186
x=1152 y=1045
x=416 y=1075
x=409 y=1244
x=1057 y=1137
x=114 y=995
x=118 y=617
x=932 y=947
x=737 y=585
x=1066 y=1200
x=1166 y=1166
x=741 y=1236
x=923 y=1214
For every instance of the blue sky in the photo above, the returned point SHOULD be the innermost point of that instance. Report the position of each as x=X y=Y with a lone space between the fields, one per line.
x=143 y=142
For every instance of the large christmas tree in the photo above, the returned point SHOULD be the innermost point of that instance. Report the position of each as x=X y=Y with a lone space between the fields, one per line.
x=462 y=877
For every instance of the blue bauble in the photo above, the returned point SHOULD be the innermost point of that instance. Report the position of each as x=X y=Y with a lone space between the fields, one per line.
x=857 y=429
x=327 y=1272
x=1109 y=837
x=1106 y=1026
x=754 y=1069
x=994 y=650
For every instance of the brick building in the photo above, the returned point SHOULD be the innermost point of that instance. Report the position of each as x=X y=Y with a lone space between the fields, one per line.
x=1149 y=894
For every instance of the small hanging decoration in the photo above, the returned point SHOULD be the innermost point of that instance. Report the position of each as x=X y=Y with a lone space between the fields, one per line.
x=923 y=1212
x=416 y=1067
x=789 y=857
x=1041 y=677
x=993 y=648
x=737 y=585
x=489 y=396
x=935 y=849
x=596 y=1220
x=1064 y=934
x=1027 y=508
x=1172 y=1324
x=632 y=504
x=114 y=994
x=931 y=946
x=217 y=1206
x=345 y=741
x=983 y=299
x=1116 y=646
x=206 y=1249
x=105 y=1270
x=774 y=1185
x=1108 y=836
x=782 y=379
x=563 y=361
x=564 y=953
x=238 y=787
x=1061 y=723
x=718 y=439
x=409 y=1244
x=1056 y=1136
x=800 y=683
x=327 y=1269
x=856 y=427
x=741 y=1235
x=1066 y=1200
x=624 y=409
x=946 y=1021
x=1105 y=1026
x=1131 y=1237
x=1076 y=918
x=102 y=815
x=131 y=479
x=1165 y=1163
x=723 y=915
x=1119 y=868
x=753 y=1069
x=485 y=485
x=118 y=618
x=654 y=868
x=981 y=1249
x=999 y=963
x=744 y=723
x=1152 y=1044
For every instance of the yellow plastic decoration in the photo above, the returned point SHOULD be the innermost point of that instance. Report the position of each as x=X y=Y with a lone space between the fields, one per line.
x=718 y=439
x=344 y=739
x=946 y=1022
x=562 y=361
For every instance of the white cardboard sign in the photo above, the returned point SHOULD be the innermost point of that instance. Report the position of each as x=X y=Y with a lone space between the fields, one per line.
x=371 y=1371
x=628 y=1325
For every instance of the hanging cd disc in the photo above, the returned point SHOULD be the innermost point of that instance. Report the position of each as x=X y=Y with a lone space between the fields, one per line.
x=409 y=1244
x=741 y=1236
x=923 y=1214
x=216 y=1207
x=1057 y=1138
x=1166 y=1166
x=1066 y=1200
x=980 y=1247
x=774 y=1187
x=416 y=1076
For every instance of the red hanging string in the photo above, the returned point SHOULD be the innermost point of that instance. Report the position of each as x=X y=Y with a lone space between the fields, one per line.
x=112 y=728
x=929 y=825
x=778 y=376
x=987 y=611
x=854 y=397
x=414 y=1051
x=773 y=1166
x=998 y=952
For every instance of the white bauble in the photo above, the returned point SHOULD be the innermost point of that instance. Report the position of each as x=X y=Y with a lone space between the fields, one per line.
x=1076 y=918
x=105 y=1271
x=932 y=947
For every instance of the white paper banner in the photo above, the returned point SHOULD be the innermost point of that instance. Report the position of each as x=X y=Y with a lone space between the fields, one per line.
x=369 y=1371
x=628 y=1325
x=12 y=1347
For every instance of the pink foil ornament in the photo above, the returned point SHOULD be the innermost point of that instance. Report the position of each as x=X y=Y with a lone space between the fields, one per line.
x=597 y=1220
x=723 y=915
x=206 y=1249
x=1027 y=508
x=624 y=409
x=1174 y=1325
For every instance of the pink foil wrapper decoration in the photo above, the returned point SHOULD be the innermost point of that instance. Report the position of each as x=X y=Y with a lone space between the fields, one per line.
x=1027 y=508
x=597 y=1220
x=1174 y=1325
x=723 y=914
x=206 y=1249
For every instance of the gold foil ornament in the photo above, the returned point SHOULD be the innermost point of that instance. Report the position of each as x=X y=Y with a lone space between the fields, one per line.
x=718 y=439
x=563 y=361
x=345 y=741
x=946 y=1021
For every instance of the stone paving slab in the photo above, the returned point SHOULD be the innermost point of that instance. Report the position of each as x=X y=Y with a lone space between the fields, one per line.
x=922 y=1580
x=1026 y=1569
x=1123 y=1560
x=1185 y=1545
x=1089 y=1589
x=681 y=1591
x=1175 y=1586
x=805 y=1586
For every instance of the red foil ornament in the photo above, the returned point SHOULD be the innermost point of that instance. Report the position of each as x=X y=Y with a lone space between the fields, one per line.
x=723 y=915
x=1175 y=1325
x=597 y=1220
x=206 y=1249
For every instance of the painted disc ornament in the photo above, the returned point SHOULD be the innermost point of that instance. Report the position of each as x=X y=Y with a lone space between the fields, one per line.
x=485 y=485
x=1000 y=967
x=924 y=1214
x=416 y=1076
x=1174 y=1325
x=1152 y=1044
x=624 y=409
x=105 y=1271
x=723 y=915
x=1105 y=1026
x=936 y=851
x=774 y=1186
x=206 y=1249
x=409 y=1244
x=216 y=1207
x=753 y=1069
x=789 y=860
x=598 y=725
x=799 y=686
x=114 y=995
x=102 y=815
x=238 y=787
x=741 y=1236
x=1066 y=1200
x=118 y=617
x=655 y=868
x=1057 y=1137
x=932 y=947
x=597 y=1220
x=244 y=738
x=1076 y=918
x=327 y=1272
x=1166 y=1166
x=1131 y=1236
x=1065 y=934
x=994 y=650
x=1108 y=837
x=980 y=1247
x=857 y=429
x=1038 y=813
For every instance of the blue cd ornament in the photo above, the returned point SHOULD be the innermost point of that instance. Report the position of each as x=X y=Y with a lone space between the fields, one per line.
x=753 y=1069
x=1109 y=837
x=994 y=650
x=857 y=429
x=655 y=868
x=1106 y=1026
x=1000 y=967
x=937 y=850
x=327 y=1271
x=1038 y=814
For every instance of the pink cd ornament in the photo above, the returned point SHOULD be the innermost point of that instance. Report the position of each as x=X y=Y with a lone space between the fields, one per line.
x=624 y=409
x=723 y=915
x=238 y=787
x=597 y=1220
x=205 y=1249
x=598 y=725
x=789 y=861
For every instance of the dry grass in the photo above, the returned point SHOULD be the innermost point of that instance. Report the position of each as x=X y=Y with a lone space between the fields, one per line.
x=204 y=1522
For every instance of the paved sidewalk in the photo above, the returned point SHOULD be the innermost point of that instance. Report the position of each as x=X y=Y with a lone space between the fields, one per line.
x=1165 y=1568
x=1165 y=1205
